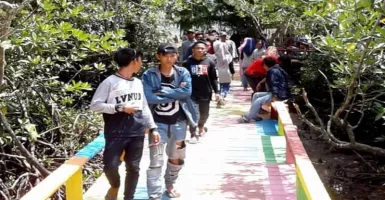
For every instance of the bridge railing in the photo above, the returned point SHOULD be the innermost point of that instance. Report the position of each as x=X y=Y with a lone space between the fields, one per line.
x=68 y=174
x=309 y=185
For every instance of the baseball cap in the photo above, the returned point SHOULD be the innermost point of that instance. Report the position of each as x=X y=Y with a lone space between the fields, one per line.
x=190 y=31
x=223 y=33
x=166 y=48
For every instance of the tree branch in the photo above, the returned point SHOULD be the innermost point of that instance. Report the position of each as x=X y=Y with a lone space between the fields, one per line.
x=31 y=160
x=7 y=6
x=357 y=73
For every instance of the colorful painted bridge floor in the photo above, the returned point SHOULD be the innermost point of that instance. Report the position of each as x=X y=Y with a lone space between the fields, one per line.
x=232 y=161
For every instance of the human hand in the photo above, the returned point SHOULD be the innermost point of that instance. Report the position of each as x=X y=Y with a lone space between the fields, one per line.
x=182 y=84
x=217 y=97
x=130 y=110
x=155 y=138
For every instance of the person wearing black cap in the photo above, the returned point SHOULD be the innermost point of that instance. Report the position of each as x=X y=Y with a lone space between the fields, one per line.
x=204 y=83
x=187 y=44
x=126 y=115
x=168 y=89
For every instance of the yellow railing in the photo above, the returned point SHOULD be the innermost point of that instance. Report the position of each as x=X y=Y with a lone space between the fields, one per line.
x=309 y=185
x=68 y=174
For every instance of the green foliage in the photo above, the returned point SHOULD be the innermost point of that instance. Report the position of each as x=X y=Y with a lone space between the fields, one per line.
x=60 y=53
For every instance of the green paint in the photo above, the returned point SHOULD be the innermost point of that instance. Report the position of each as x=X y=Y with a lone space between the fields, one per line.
x=273 y=153
x=301 y=195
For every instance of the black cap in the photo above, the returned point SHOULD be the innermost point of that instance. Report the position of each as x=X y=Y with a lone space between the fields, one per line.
x=166 y=48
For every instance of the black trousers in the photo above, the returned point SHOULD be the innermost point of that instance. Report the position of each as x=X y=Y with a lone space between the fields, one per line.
x=133 y=147
x=253 y=82
x=203 y=110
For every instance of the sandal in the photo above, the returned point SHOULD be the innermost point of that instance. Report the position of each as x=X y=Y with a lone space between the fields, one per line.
x=173 y=194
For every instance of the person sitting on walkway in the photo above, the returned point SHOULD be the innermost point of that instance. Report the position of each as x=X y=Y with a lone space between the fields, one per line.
x=204 y=83
x=168 y=89
x=256 y=73
x=126 y=115
x=277 y=85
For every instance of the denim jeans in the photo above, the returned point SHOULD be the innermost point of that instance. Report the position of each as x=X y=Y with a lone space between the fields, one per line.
x=224 y=89
x=243 y=78
x=259 y=99
x=170 y=135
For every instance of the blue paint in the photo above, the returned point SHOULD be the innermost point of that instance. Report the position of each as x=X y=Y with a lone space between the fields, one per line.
x=267 y=127
x=92 y=148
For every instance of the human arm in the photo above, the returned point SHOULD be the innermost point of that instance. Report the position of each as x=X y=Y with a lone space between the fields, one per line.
x=98 y=102
x=259 y=85
x=183 y=91
x=149 y=91
x=273 y=81
x=213 y=77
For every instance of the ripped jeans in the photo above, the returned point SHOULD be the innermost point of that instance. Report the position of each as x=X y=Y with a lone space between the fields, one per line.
x=170 y=135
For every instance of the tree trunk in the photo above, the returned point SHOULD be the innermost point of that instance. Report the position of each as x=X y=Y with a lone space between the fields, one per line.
x=31 y=159
x=2 y=64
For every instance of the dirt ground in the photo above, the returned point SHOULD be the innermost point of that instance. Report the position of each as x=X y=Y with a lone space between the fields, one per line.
x=347 y=175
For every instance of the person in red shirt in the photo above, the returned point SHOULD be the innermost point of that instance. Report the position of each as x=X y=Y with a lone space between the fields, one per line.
x=256 y=73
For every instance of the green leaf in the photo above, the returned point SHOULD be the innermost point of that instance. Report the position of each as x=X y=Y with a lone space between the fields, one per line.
x=31 y=128
x=351 y=47
x=380 y=114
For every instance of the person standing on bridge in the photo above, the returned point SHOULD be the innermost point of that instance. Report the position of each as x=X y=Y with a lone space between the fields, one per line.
x=168 y=90
x=204 y=83
x=126 y=115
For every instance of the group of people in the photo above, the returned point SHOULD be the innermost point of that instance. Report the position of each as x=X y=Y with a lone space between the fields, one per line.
x=264 y=71
x=169 y=101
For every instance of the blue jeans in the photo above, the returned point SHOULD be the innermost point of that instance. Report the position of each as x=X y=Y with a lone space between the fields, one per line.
x=244 y=79
x=225 y=89
x=259 y=99
x=170 y=135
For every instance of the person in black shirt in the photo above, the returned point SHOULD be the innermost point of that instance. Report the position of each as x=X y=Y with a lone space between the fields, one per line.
x=204 y=82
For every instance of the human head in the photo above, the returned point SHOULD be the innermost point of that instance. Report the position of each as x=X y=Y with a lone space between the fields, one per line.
x=208 y=43
x=223 y=36
x=199 y=36
x=268 y=62
x=249 y=46
x=259 y=44
x=128 y=57
x=167 y=54
x=190 y=34
x=272 y=51
x=213 y=34
x=199 y=49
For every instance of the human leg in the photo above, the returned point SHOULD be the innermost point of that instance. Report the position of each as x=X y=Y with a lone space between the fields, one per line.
x=111 y=159
x=154 y=172
x=259 y=99
x=176 y=152
x=132 y=158
x=243 y=79
x=204 y=110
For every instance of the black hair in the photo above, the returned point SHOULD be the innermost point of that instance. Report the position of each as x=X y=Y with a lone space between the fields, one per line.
x=198 y=42
x=269 y=61
x=123 y=57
